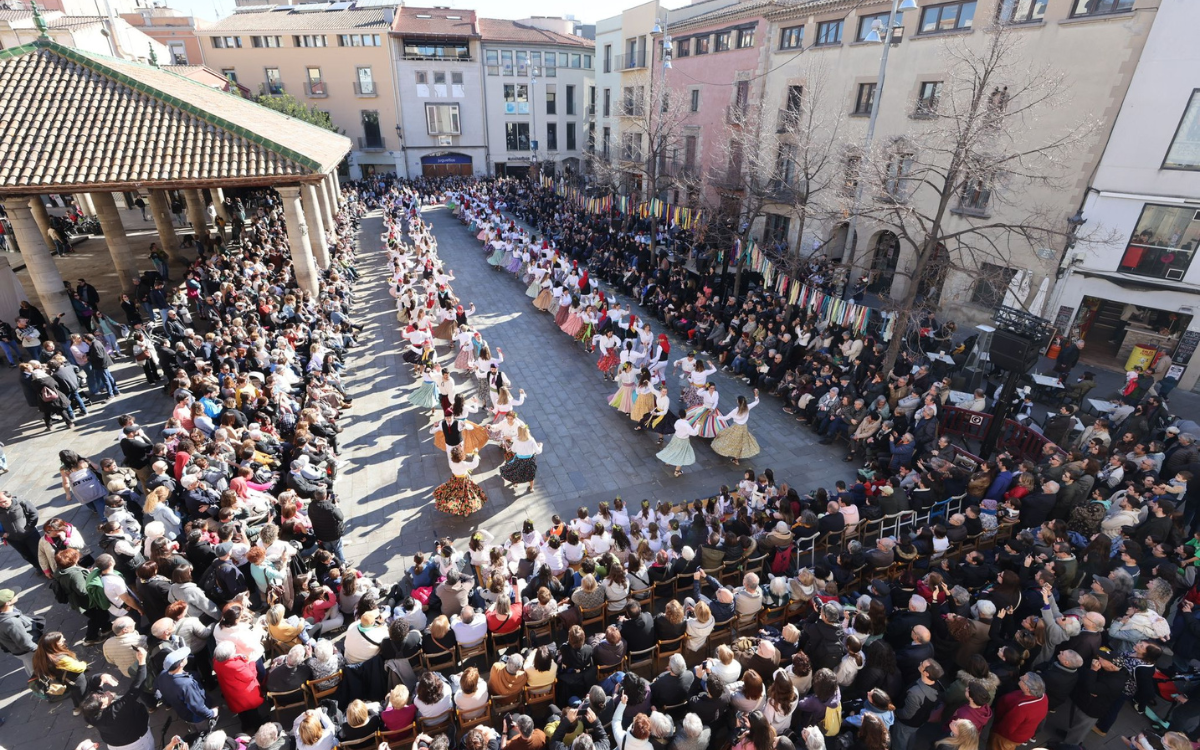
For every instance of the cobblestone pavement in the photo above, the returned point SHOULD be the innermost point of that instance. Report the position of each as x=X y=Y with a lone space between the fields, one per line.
x=591 y=454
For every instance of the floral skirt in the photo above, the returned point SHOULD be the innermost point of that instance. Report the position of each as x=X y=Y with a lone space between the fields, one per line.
x=707 y=421
x=608 y=361
x=677 y=453
x=622 y=400
x=519 y=470
x=735 y=441
x=464 y=356
x=560 y=317
x=642 y=406
x=544 y=300
x=426 y=396
x=474 y=439
x=460 y=496
x=692 y=396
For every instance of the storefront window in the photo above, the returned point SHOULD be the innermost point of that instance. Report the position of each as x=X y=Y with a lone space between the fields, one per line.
x=1163 y=243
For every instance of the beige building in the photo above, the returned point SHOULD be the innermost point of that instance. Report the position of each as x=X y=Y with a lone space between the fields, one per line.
x=1094 y=44
x=333 y=60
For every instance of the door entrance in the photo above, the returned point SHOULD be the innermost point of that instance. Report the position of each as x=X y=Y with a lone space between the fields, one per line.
x=447 y=165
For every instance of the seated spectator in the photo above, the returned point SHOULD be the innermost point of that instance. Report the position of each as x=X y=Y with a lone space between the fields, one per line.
x=399 y=714
x=364 y=639
x=611 y=650
x=508 y=677
x=472 y=692
x=672 y=687
x=433 y=696
x=362 y=721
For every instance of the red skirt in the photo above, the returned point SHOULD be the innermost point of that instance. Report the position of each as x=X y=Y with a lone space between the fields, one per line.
x=608 y=361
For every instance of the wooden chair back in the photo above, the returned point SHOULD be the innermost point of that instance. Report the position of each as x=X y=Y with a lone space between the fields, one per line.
x=317 y=694
x=505 y=641
x=667 y=649
x=539 y=633
x=370 y=742
x=602 y=673
x=644 y=597
x=288 y=705
x=470 y=651
x=641 y=662
x=442 y=661
x=397 y=738
x=593 y=616
x=443 y=723
x=474 y=717
x=539 y=699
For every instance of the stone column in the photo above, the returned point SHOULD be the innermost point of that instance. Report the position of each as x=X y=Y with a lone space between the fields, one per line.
x=327 y=215
x=164 y=221
x=316 y=229
x=84 y=201
x=304 y=266
x=196 y=214
x=35 y=252
x=42 y=217
x=336 y=184
x=117 y=240
x=218 y=196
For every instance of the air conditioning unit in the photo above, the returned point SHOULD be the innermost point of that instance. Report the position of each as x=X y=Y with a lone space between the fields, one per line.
x=445 y=140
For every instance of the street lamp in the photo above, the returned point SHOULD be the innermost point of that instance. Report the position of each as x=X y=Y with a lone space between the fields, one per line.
x=876 y=35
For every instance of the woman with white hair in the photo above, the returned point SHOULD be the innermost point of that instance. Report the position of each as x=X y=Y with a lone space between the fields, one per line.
x=691 y=734
x=778 y=594
x=325 y=663
x=662 y=730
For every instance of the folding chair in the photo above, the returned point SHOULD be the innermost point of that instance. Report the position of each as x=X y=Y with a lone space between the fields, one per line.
x=398 y=737
x=722 y=634
x=470 y=651
x=746 y=624
x=507 y=641
x=443 y=723
x=539 y=633
x=641 y=660
x=537 y=699
x=644 y=597
x=474 y=717
x=602 y=673
x=443 y=661
x=773 y=616
x=287 y=706
x=369 y=742
x=667 y=649
x=317 y=694
x=593 y=616
x=502 y=706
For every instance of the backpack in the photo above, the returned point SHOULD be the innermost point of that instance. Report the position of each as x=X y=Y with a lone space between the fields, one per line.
x=94 y=586
x=211 y=584
x=781 y=560
x=832 y=724
x=60 y=591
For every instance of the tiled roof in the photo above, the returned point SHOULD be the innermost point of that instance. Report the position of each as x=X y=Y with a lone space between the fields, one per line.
x=292 y=20
x=444 y=22
x=801 y=8
x=501 y=30
x=70 y=119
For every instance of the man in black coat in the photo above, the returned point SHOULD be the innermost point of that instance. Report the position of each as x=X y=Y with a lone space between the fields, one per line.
x=823 y=639
x=19 y=518
x=1067 y=358
x=1036 y=507
x=137 y=450
x=66 y=375
x=900 y=627
x=328 y=523
x=101 y=362
x=673 y=686
x=909 y=658
x=1061 y=675
x=637 y=628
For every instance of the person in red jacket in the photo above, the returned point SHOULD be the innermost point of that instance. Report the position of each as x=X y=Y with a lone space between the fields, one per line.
x=240 y=686
x=1019 y=713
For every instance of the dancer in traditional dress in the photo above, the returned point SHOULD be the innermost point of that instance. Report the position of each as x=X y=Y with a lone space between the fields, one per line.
x=704 y=416
x=622 y=400
x=446 y=326
x=574 y=321
x=659 y=356
x=735 y=441
x=545 y=300
x=644 y=401
x=480 y=368
x=693 y=392
x=445 y=390
x=562 y=313
x=460 y=496
x=587 y=327
x=497 y=258
x=522 y=467
x=426 y=395
x=504 y=432
x=678 y=452
x=470 y=435
x=469 y=342
x=503 y=402
x=610 y=355
x=659 y=419
x=535 y=289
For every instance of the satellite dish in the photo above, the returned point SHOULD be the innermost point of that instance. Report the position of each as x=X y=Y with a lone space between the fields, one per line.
x=1045 y=253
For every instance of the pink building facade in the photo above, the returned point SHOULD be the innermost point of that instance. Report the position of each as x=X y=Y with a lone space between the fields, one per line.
x=715 y=74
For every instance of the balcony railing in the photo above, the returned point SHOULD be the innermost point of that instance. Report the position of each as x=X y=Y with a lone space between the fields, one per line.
x=787 y=121
x=372 y=144
x=271 y=89
x=631 y=62
x=316 y=89
x=784 y=191
x=365 y=88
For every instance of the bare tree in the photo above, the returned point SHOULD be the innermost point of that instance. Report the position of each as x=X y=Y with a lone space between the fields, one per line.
x=649 y=160
x=954 y=189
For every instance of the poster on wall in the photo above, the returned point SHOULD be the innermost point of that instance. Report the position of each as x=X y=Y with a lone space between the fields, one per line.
x=1064 y=317
x=1187 y=345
